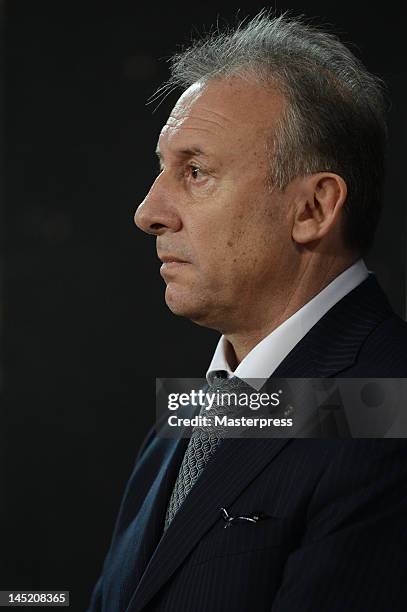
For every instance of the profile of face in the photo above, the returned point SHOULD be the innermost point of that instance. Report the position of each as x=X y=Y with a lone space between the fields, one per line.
x=223 y=234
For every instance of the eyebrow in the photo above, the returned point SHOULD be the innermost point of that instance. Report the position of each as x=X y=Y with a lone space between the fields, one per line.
x=189 y=152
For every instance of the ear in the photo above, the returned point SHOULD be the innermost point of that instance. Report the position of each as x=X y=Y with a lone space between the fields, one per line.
x=318 y=203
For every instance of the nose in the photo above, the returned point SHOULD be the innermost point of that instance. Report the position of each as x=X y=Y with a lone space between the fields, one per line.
x=156 y=214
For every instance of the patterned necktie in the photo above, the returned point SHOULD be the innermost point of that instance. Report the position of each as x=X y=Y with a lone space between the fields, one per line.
x=202 y=445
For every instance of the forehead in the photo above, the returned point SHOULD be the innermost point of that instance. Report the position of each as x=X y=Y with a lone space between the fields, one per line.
x=222 y=114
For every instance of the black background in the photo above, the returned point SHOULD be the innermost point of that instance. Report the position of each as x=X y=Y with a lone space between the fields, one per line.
x=85 y=327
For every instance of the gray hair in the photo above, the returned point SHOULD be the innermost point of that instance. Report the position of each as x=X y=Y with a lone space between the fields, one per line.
x=335 y=117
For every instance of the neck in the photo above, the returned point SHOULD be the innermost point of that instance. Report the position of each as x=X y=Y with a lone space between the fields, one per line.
x=259 y=322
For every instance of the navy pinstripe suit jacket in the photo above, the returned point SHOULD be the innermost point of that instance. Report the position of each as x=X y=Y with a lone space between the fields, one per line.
x=337 y=537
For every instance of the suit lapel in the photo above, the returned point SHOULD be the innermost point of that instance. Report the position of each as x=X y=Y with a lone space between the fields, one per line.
x=150 y=516
x=330 y=347
x=138 y=528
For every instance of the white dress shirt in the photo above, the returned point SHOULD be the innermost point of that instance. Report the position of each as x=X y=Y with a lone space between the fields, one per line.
x=260 y=363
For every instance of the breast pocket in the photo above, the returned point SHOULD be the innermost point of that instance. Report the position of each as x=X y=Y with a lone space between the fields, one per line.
x=241 y=537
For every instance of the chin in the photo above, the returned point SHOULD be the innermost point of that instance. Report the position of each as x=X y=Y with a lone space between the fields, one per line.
x=182 y=304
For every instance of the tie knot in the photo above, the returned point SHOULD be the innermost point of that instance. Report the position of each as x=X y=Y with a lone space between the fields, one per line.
x=217 y=377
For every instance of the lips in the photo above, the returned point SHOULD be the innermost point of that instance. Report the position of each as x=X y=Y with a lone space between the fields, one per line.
x=171 y=265
x=171 y=259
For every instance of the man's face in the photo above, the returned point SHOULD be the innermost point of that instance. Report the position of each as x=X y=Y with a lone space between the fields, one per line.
x=223 y=235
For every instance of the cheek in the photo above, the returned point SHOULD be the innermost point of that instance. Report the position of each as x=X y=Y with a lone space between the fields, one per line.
x=222 y=254
x=236 y=234
x=244 y=246
x=225 y=254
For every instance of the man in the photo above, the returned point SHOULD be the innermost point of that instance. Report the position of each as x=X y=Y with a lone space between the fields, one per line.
x=267 y=199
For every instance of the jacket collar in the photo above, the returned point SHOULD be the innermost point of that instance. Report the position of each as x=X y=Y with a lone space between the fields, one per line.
x=333 y=344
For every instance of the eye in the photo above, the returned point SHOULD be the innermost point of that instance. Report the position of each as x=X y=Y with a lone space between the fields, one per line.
x=195 y=173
